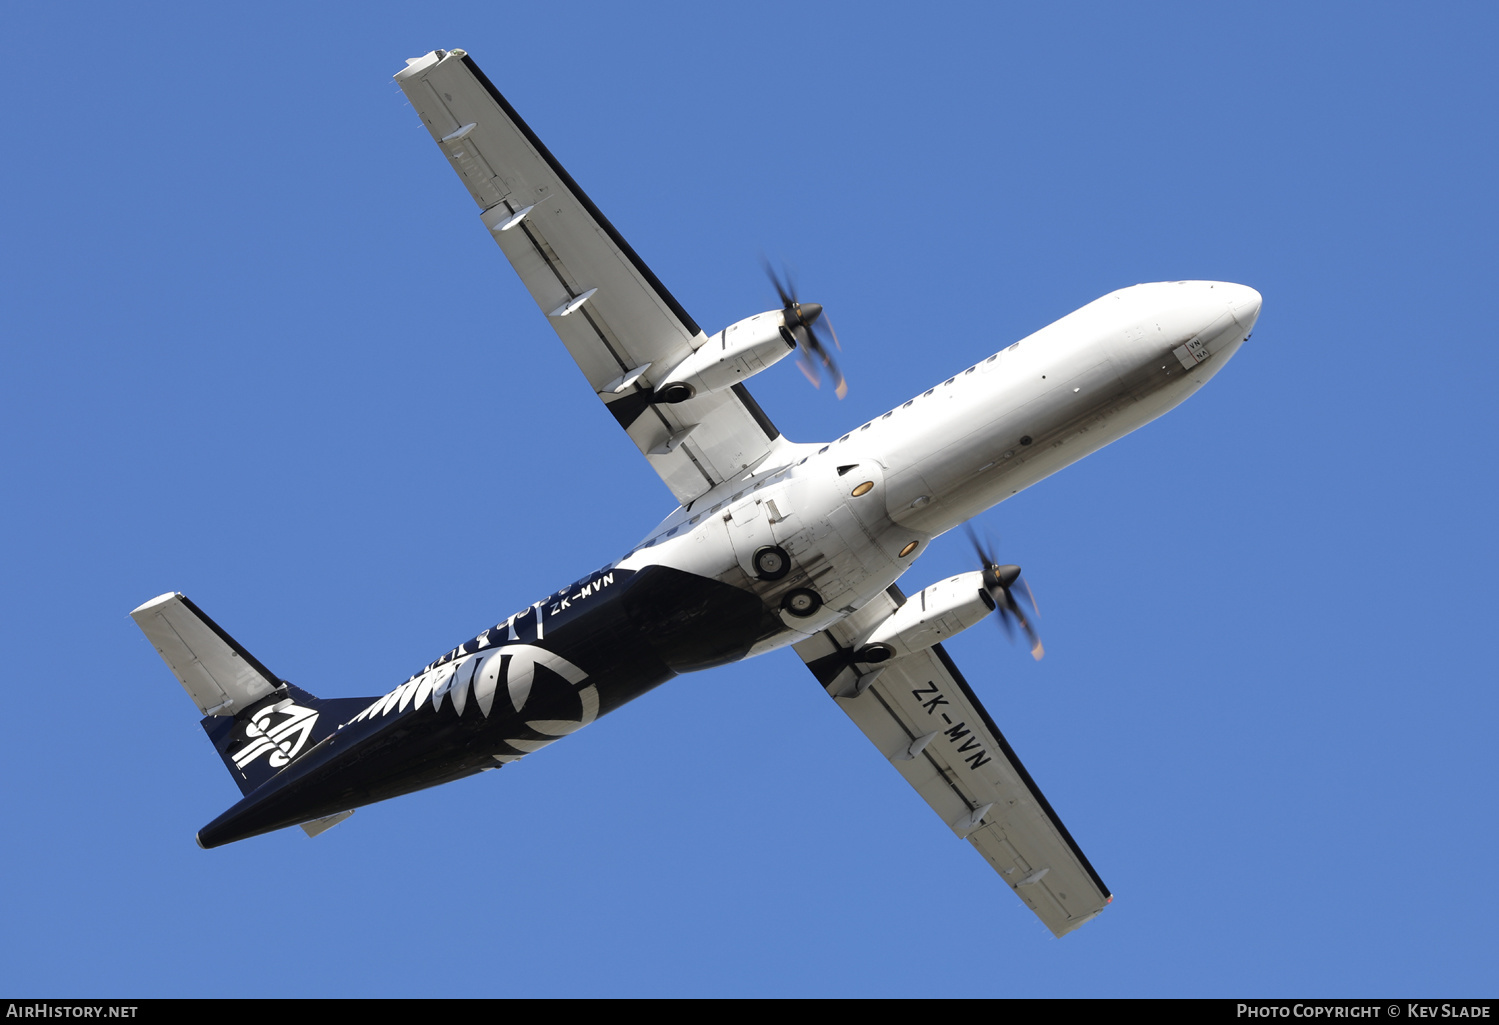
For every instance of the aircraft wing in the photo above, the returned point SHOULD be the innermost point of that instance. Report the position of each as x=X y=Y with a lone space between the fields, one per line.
x=922 y=716
x=621 y=325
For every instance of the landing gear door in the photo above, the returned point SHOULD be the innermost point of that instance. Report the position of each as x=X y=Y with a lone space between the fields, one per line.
x=749 y=531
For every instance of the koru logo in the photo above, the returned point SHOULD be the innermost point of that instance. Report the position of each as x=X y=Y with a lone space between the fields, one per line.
x=280 y=731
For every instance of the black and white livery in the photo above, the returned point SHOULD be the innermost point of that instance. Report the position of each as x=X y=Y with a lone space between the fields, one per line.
x=773 y=543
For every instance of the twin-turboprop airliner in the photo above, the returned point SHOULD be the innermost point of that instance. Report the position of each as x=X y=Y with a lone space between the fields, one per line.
x=772 y=544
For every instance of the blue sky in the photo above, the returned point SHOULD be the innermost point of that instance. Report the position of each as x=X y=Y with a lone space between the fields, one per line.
x=258 y=349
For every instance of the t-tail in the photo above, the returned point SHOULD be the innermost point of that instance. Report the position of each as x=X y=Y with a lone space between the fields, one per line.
x=258 y=722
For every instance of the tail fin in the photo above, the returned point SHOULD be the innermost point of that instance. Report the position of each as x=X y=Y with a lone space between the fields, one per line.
x=257 y=721
x=264 y=739
x=221 y=677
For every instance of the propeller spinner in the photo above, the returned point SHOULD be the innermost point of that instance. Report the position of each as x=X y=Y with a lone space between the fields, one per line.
x=1002 y=583
x=814 y=358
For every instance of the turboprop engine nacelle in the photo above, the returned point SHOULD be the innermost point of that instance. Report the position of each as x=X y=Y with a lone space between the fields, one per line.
x=943 y=609
x=738 y=351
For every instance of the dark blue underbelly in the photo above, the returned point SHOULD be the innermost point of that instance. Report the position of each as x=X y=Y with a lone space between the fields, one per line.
x=626 y=639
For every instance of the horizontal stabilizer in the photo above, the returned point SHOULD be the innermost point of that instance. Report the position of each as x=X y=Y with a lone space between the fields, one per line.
x=219 y=675
x=327 y=822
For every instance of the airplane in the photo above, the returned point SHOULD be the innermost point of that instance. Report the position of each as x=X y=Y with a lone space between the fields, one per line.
x=773 y=543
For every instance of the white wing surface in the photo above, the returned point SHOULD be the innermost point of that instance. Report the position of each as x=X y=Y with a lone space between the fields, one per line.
x=621 y=325
x=922 y=716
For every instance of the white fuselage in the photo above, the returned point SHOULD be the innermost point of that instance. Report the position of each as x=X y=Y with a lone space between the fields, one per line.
x=955 y=450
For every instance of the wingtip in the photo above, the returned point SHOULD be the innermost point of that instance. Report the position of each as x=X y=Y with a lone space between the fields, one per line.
x=160 y=599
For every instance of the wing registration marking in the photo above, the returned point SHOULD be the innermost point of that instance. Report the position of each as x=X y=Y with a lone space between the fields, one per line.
x=931 y=703
x=971 y=750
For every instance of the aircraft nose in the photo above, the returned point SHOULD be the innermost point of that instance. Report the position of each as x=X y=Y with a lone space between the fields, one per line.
x=1245 y=304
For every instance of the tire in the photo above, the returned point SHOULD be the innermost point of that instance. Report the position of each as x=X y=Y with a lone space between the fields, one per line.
x=802 y=602
x=771 y=562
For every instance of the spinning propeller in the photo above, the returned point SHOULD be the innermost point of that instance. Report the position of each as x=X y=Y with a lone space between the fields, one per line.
x=814 y=357
x=1002 y=582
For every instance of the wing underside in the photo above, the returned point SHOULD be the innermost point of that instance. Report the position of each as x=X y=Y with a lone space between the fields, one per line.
x=925 y=719
x=619 y=323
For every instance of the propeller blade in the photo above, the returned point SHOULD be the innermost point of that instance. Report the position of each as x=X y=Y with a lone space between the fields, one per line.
x=806 y=366
x=1000 y=582
x=1030 y=596
x=775 y=279
x=840 y=386
x=800 y=316
x=829 y=322
x=978 y=548
x=1036 y=649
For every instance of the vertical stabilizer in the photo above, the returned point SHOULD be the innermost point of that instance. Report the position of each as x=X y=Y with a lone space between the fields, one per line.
x=258 y=722
x=269 y=736
x=219 y=675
